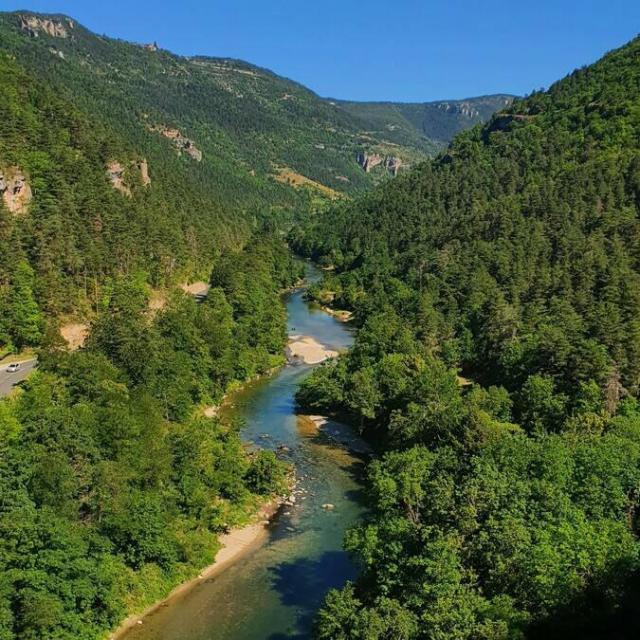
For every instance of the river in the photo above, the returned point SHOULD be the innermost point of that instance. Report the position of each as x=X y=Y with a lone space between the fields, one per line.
x=273 y=593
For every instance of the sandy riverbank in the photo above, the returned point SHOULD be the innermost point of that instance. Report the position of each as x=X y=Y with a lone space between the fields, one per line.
x=339 y=314
x=211 y=411
x=307 y=350
x=235 y=544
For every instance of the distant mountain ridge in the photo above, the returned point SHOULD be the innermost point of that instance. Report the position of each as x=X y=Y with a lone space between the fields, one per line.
x=426 y=125
x=313 y=136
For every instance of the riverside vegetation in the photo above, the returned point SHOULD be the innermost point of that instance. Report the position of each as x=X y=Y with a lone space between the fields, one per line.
x=505 y=502
x=112 y=488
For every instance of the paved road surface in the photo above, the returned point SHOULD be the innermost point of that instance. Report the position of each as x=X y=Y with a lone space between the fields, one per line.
x=9 y=380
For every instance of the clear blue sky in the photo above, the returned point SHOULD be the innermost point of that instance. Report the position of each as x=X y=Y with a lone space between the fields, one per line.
x=407 y=50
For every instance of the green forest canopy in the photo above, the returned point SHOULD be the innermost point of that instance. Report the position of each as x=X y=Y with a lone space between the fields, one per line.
x=113 y=486
x=138 y=159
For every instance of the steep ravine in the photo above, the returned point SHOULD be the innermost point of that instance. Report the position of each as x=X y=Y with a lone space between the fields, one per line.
x=273 y=592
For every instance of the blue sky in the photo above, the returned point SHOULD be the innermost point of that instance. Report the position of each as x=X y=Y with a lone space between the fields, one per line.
x=407 y=50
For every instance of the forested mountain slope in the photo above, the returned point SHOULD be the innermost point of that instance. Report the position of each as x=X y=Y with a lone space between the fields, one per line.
x=116 y=157
x=71 y=220
x=522 y=237
x=123 y=168
x=507 y=503
x=246 y=121
x=243 y=118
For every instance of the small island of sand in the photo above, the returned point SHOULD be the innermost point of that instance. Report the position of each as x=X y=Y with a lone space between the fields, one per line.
x=307 y=350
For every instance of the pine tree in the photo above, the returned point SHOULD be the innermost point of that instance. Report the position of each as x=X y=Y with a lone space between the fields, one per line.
x=26 y=318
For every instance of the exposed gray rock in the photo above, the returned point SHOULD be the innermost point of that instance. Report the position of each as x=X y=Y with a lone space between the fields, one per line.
x=180 y=142
x=35 y=25
x=370 y=160
x=116 y=174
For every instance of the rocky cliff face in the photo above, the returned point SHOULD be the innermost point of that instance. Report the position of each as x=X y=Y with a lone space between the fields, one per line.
x=35 y=25
x=461 y=108
x=116 y=174
x=57 y=53
x=180 y=142
x=370 y=160
x=143 y=167
x=15 y=190
x=472 y=109
x=392 y=164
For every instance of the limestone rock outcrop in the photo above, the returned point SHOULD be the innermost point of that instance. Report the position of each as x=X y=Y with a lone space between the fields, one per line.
x=56 y=28
x=15 y=190
x=180 y=142
x=392 y=164
x=57 y=53
x=370 y=160
x=116 y=174
x=143 y=167
x=463 y=108
x=75 y=334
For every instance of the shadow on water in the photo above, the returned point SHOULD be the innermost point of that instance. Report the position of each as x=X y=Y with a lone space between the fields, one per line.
x=303 y=583
x=355 y=495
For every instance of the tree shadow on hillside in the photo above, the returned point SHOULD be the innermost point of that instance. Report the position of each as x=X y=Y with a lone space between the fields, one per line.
x=609 y=611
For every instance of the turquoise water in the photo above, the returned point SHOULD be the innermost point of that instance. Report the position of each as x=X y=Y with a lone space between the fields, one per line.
x=273 y=593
